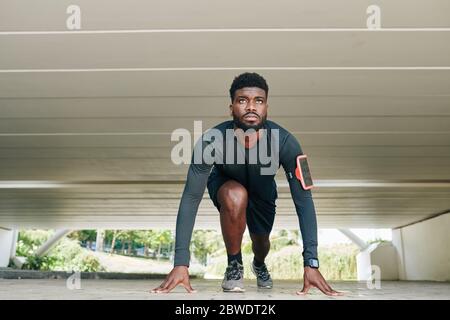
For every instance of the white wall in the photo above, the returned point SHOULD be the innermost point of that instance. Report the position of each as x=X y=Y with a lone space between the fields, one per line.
x=382 y=255
x=423 y=250
x=7 y=245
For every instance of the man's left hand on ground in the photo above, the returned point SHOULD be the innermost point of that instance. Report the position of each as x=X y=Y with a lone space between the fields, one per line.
x=313 y=278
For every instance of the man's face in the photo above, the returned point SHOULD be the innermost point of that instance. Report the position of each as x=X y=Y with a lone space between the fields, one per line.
x=249 y=108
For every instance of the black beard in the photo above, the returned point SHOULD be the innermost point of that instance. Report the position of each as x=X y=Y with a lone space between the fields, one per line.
x=238 y=123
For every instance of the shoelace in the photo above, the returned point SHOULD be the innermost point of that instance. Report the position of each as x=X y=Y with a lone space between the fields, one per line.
x=262 y=272
x=233 y=272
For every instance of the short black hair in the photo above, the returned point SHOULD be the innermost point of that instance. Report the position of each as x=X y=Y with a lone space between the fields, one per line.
x=248 y=79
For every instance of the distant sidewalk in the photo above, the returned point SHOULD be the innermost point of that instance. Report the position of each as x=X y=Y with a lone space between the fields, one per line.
x=124 y=264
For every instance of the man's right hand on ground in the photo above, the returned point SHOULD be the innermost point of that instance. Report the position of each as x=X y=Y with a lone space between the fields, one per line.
x=178 y=275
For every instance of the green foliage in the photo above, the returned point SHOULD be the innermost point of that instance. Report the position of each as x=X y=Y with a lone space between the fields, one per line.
x=109 y=234
x=34 y=237
x=159 y=242
x=70 y=256
x=162 y=237
x=83 y=235
x=29 y=241
x=154 y=239
x=39 y=263
x=281 y=242
x=66 y=255
x=204 y=243
x=336 y=263
x=376 y=240
x=126 y=235
x=246 y=247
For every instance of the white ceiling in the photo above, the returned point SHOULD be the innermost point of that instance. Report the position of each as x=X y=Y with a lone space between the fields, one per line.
x=98 y=106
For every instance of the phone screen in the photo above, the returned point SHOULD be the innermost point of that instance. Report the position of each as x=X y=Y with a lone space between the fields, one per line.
x=305 y=172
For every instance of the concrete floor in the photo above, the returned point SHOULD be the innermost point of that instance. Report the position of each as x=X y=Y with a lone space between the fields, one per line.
x=210 y=289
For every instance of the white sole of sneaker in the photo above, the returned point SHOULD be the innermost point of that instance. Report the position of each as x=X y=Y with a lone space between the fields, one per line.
x=235 y=289
x=266 y=287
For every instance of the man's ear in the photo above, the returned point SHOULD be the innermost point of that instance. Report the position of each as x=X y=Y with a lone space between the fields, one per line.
x=231 y=110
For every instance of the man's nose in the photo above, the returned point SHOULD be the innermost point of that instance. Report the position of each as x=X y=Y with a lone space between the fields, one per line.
x=251 y=106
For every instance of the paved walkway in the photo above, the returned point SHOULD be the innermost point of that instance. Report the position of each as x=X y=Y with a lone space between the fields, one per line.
x=210 y=289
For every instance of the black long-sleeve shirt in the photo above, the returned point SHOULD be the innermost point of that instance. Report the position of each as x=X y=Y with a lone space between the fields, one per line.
x=258 y=185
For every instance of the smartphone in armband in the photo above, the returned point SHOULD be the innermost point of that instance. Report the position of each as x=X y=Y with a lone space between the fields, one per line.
x=303 y=173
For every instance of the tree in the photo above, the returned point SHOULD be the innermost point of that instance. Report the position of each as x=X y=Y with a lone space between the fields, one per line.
x=127 y=237
x=204 y=243
x=115 y=235
x=162 y=238
x=155 y=240
x=150 y=239
x=84 y=236
x=146 y=238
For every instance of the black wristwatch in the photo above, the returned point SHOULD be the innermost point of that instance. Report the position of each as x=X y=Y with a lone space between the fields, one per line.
x=313 y=263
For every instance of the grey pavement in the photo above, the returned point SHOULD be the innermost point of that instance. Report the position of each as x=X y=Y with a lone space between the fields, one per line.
x=93 y=289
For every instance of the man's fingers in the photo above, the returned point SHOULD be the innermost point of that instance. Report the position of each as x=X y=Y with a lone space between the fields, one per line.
x=330 y=290
x=188 y=287
x=306 y=287
x=163 y=287
x=337 y=293
x=172 y=285
x=322 y=287
x=326 y=289
x=304 y=290
x=169 y=283
x=327 y=286
x=160 y=286
x=306 y=282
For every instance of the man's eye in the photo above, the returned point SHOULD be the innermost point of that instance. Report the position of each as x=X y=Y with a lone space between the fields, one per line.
x=241 y=100
x=259 y=101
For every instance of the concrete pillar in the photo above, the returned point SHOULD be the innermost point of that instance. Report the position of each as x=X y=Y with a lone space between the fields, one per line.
x=8 y=240
x=42 y=250
x=354 y=238
x=99 y=240
x=422 y=249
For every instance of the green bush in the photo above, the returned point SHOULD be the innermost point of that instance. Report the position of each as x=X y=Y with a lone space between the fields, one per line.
x=336 y=263
x=34 y=262
x=66 y=255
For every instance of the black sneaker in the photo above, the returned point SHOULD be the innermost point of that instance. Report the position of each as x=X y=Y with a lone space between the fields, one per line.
x=233 y=280
x=263 y=279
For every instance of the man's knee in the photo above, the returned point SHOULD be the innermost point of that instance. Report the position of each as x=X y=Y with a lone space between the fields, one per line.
x=233 y=198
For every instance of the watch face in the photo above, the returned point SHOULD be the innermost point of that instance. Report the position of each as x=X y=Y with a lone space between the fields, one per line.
x=313 y=263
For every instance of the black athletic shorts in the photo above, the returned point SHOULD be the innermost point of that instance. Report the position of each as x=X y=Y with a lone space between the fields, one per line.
x=260 y=214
